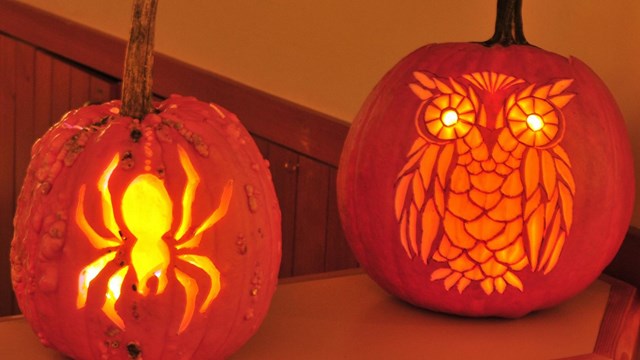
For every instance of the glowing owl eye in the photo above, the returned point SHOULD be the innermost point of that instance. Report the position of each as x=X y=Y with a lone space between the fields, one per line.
x=447 y=117
x=534 y=121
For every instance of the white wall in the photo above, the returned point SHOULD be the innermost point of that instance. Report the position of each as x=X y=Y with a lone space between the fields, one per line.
x=328 y=54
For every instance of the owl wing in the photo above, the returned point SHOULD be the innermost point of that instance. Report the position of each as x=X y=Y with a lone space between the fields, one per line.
x=419 y=197
x=549 y=188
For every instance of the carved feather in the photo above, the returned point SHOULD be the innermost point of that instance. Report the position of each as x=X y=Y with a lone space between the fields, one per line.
x=552 y=186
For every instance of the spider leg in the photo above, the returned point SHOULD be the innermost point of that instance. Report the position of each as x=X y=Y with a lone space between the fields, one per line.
x=189 y=192
x=113 y=293
x=96 y=240
x=107 y=205
x=204 y=263
x=218 y=214
x=191 y=291
x=88 y=274
x=92 y=270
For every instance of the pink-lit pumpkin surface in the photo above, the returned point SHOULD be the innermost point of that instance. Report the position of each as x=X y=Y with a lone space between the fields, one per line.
x=146 y=239
x=486 y=180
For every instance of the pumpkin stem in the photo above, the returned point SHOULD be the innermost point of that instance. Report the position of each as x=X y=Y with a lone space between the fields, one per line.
x=138 y=63
x=508 y=25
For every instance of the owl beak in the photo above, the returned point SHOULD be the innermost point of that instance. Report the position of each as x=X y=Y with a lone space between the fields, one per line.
x=490 y=136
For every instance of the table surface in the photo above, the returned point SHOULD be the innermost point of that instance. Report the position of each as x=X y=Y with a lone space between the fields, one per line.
x=347 y=316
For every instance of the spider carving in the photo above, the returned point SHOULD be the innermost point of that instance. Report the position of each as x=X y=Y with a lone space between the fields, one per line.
x=147 y=214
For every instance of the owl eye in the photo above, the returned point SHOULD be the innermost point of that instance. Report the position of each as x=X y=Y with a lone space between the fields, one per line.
x=535 y=122
x=447 y=117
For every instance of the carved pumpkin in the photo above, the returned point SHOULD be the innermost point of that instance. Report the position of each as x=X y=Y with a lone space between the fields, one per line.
x=159 y=237
x=155 y=236
x=487 y=179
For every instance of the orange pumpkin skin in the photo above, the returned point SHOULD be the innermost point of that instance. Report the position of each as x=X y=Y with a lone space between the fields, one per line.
x=50 y=249
x=428 y=241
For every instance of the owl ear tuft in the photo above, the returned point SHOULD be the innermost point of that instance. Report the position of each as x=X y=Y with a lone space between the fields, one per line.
x=561 y=100
x=424 y=79
x=526 y=92
x=444 y=88
x=457 y=87
x=425 y=82
x=559 y=86
x=421 y=93
x=542 y=92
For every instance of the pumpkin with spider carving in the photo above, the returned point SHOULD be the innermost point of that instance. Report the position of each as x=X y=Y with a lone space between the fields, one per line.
x=132 y=233
x=146 y=230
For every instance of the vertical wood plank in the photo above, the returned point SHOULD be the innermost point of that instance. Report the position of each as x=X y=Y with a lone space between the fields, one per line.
x=263 y=146
x=284 y=165
x=624 y=265
x=339 y=255
x=61 y=83
x=43 y=93
x=102 y=90
x=311 y=215
x=78 y=87
x=7 y=166
x=24 y=119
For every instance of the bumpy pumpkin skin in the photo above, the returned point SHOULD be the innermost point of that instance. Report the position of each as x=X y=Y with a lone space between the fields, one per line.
x=385 y=134
x=49 y=249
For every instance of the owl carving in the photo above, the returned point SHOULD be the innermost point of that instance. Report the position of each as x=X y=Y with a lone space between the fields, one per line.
x=487 y=189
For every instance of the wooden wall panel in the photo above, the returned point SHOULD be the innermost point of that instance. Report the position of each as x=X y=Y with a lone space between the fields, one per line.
x=312 y=237
x=36 y=88
x=311 y=213
x=24 y=121
x=284 y=171
x=263 y=146
x=25 y=116
x=103 y=89
x=60 y=88
x=7 y=164
x=339 y=255
x=43 y=92
x=78 y=87
x=625 y=265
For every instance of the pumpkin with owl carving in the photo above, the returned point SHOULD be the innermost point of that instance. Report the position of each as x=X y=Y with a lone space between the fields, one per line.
x=486 y=180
